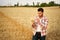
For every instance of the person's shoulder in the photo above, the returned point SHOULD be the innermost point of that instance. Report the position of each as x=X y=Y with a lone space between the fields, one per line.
x=45 y=17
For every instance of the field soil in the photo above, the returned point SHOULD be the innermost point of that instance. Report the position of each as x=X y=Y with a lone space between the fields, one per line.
x=15 y=23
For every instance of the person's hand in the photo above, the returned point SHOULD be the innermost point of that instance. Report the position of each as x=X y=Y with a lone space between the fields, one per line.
x=34 y=25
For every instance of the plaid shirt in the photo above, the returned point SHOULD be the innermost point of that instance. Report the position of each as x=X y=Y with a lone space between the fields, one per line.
x=43 y=22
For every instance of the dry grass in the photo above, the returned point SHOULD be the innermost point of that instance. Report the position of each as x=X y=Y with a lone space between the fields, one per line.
x=15 y=23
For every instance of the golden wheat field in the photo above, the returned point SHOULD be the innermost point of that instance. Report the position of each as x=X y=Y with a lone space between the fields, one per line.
x=15 y=23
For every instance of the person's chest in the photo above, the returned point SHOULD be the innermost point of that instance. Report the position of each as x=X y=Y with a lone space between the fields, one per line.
x=39 y=21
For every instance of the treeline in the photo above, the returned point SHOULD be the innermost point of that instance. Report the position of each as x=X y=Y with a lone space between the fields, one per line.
x=51 y=3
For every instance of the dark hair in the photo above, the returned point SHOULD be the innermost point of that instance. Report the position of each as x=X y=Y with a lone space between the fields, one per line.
x=41 y=9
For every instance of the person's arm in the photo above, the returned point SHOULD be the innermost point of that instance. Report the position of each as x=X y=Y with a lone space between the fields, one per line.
x=34 y=25
x=44 y=25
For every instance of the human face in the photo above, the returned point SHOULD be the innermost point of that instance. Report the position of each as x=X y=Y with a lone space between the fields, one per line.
x=40 y=14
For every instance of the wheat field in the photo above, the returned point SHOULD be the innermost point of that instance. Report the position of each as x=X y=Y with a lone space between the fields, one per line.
x=15 y=22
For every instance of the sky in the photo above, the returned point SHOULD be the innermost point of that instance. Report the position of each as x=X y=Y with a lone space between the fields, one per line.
x=23 y=2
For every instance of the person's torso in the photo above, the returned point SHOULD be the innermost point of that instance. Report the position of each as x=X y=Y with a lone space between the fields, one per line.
x=38 y=21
